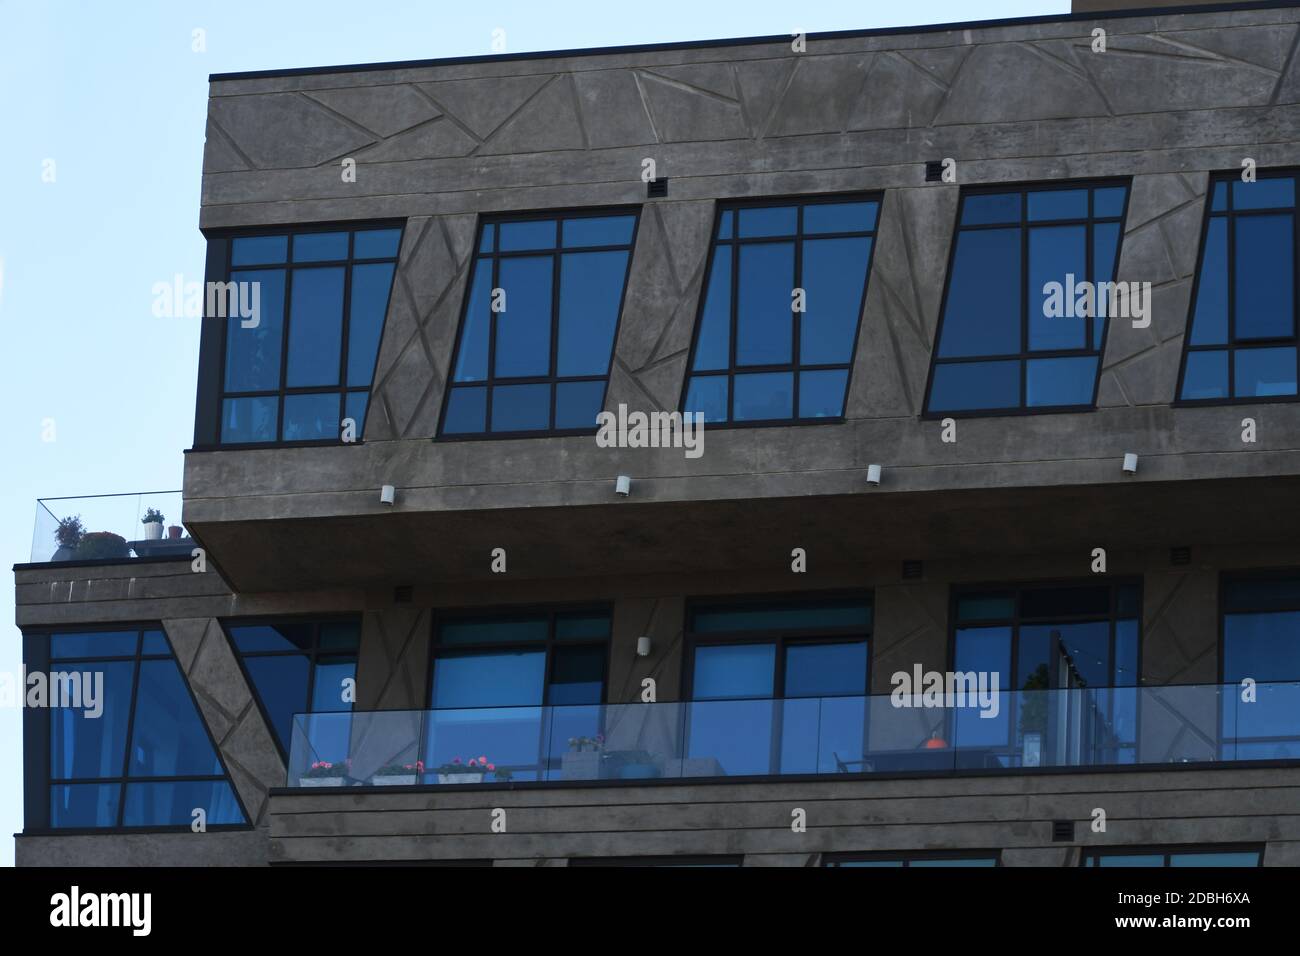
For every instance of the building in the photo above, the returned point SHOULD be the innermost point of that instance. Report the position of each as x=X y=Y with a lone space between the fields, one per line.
x=406 y=544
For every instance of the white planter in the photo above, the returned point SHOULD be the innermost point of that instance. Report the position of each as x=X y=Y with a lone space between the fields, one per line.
x=320 y=781
x=153 y=530
x=460 y=778
x=393 y=780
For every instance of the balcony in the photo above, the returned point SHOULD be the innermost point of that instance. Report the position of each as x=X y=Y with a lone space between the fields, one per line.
x=1093 y=727
x=105 y=528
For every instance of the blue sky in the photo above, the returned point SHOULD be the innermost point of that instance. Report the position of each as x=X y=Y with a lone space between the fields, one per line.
x=100 y=392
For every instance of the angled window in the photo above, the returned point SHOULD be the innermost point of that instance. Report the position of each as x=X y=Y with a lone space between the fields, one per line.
x=1241 y=339
x=1261 y=642
x=1174 y=856
x=1023 y=322
x=781 y=308
x=537 y=334
x=299 y=666
x=127 y=747
x=304 y=362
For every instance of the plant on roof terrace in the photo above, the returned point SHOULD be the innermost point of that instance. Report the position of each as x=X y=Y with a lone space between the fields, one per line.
x=70 y=531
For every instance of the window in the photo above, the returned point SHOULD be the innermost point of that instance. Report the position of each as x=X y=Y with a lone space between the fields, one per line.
x=300 y=667
x=670 y=861
x=541 y=314
x=513 y=686
x=1176 y=856
x=759 y=354
x=918 y=859
x=1005 y=341
x=1261 y=641
x=1241 y=342
x=127 y=747
x=777 y=686
x=1066 y=660
x=304 y=363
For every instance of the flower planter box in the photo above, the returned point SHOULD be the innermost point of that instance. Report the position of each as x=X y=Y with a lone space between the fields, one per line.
x=320 y=781
x=460 y=778
x=393 y=780
x=581 y=765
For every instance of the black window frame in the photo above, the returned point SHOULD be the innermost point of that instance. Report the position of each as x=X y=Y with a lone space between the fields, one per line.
x=1025 y=354
x=552 y=379
x=212 y=392
x=734 y=206
x=1091 y=853
x=1227 y=178
x=907 y=857
x=38 y=777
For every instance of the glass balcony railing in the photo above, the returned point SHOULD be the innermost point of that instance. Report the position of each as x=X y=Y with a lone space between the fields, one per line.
x=110 y=527
x=1084 y=727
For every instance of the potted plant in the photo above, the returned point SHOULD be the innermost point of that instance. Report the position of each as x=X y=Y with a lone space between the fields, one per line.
x=398 y=774
x=69 y=534
x=458 y=771
x=174 y=531
x=102 y=545
x=153 y=524
x=325 y=773
x=1033 y=717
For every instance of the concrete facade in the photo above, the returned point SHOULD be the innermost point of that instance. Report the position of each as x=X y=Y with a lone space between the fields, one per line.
x=1174 y=98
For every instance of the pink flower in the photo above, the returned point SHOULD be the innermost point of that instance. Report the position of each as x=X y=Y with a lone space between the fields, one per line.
x=419 y=765
x=491 y=766
x=482 y=759
x=455 y=760
x=473 y=762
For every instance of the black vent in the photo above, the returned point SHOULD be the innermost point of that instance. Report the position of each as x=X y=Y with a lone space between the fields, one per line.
x=656 y=188
x=402 y=594
x=934 y=171
x=1062 y=831
x=912 y=570
x=1180 y=556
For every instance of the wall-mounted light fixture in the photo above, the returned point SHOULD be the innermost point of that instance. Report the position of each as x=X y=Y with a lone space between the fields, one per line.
x=643 y=647
x=1130 y=463
x=387 y=495
x=873 y=474
x=623 y=485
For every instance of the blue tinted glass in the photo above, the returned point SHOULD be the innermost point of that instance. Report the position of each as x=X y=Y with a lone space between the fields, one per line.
x=518 y=408
x=1058 y=264
x=712 y=348
x=169 y=737
x=795 y=616
x=603 y=231
x=996 y=207
x=254 y=330
x=1265 y=274
x=329 y=692
x=249 y=419
x=1268 y=193
x=577 y=675
x=578 y=627
x=1059 y=204
x=173 y=804
x=1060 y=381
x=89 y=740
x=1220 y=201
x=591 y=285
x=287 y=636
x=1108 y=202
x=1105 y=246
x=376 y=244
x=986 y=607
x=982 y=316
x=258 y=250
x=94 y=644
x=281 y=685
x=826 y=670
x=472 y=356
x=85 y=805
x=312 y=417
x=734 y=670
x=493 y=630
x=955 y=861
x=1264 y=647
x=839 y=217
x=1262 y=594
x=578 y=403
x=154 y=642
x=764 y=395
x=488 y=238
x=315 y=327
x=527 y=235
x=370 y=285
x=834 y=276
x=1206 y=375
x=764 y=321
x=354 y=407
x=1210 y=317
x=1131 y=859
x=1219 y=858
x=708 y=394
x=493 y=679
x=821 y=394
x=1264 y=372
x=725 y=224
x=340 y=636
x=983 y=650
x=969 y=386
x=320 y=246
x=523 y=344
x=767 y=221
x=466 y=411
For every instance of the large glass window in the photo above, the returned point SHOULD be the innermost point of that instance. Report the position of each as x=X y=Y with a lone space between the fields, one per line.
x=1241 y=341
x=537 y=335
x=919 y=859
x=1174 y=857
x=777 y=686
x=779 y=318
x=1261 y=644
x=299 y=666
x=127 y=745
x=300 y=366
x=1009 y=339
x=1066 y=662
